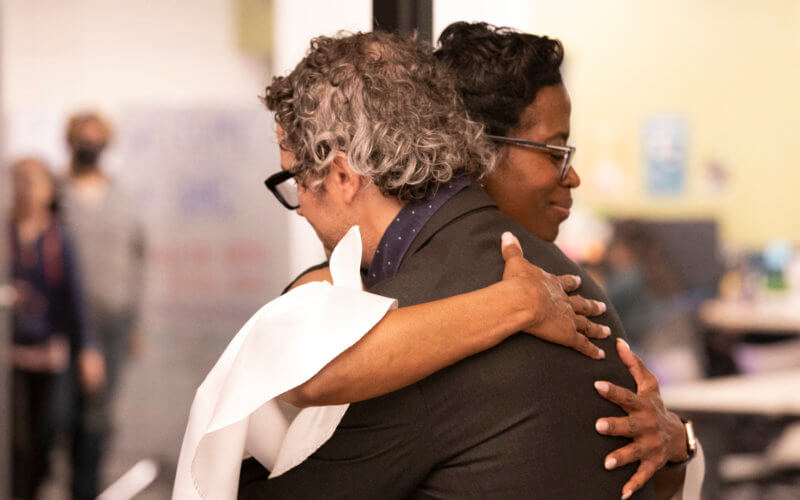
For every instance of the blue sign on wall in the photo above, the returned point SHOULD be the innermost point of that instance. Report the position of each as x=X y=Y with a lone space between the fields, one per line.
x=665 y=149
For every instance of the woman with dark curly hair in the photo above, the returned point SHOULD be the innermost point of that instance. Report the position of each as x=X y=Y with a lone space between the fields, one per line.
x=511 y=83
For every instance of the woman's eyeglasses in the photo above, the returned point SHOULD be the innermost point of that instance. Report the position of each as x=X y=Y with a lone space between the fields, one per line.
x=565 y=153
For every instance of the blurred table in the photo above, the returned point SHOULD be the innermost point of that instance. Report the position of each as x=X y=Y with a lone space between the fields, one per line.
x=760 y=316
x=774 y=394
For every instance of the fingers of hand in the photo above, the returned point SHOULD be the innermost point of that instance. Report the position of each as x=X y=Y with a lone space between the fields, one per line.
x=642 y=475
x=583 y=346
x=643 y=377
x=570 y=282
x=619 y=426
x=510 y=246
x=630 y=453
x=586 y=307
x=624 y=398
x=626 y=354
x=591 y=329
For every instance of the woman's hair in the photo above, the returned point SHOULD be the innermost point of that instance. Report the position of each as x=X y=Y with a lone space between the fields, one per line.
x=382 y=100
x=34 y=162
x=78 y=120
x=498 y=71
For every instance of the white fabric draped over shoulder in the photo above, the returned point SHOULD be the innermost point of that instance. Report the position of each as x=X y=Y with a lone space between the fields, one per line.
x=235 y=414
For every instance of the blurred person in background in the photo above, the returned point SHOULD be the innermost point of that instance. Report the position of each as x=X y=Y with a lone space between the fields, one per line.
x=49 y=320
x=110 y=247
x=639 y=276
x=652 y=304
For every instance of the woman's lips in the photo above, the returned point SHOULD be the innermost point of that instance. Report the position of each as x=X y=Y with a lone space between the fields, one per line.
x=562 y=210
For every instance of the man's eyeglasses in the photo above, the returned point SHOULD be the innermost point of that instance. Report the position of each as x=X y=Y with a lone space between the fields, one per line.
x=284 y=186
x=563 y=153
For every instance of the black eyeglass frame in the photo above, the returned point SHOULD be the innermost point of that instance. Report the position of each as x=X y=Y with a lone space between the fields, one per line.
x=567 y=151
x=276 y=179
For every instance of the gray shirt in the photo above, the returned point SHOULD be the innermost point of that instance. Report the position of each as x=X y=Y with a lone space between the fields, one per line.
x=109 y=239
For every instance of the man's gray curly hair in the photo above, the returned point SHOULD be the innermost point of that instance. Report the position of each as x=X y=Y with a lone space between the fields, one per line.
x=382 y=99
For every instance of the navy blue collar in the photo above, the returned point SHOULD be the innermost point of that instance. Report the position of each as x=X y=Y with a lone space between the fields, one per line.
x=405 y=227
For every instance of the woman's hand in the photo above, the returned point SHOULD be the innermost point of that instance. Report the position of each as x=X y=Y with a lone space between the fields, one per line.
x=557 y=317
x=92 y=370
x=658 y=434
x=50 y=357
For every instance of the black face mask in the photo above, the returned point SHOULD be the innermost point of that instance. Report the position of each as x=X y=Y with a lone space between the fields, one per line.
x=85 y=157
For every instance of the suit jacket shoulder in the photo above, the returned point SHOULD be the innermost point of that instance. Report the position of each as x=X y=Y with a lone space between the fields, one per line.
x=521 y=415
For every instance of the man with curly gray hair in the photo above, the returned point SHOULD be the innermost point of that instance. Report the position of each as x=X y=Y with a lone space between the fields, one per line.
x=379 y=105
x=373 y=133
x=380 y=98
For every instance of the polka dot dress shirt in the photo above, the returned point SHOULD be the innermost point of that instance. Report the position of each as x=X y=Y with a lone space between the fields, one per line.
x=405 y=227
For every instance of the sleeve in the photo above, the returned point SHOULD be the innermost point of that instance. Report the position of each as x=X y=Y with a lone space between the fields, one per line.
x=138 y=253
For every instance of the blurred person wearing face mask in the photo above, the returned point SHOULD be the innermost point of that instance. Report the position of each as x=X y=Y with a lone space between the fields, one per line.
x=49 y=320
x=110 y=247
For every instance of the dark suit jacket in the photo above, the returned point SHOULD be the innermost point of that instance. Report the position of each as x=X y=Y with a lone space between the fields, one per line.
x=516 y=421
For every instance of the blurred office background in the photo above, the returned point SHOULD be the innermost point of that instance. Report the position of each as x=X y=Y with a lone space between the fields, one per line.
x=685 y=116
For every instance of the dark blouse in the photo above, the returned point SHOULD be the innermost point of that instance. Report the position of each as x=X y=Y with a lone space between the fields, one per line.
x=50 y=298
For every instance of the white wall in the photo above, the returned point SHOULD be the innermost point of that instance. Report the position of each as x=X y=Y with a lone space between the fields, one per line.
x=60 y=56
x=68 y=54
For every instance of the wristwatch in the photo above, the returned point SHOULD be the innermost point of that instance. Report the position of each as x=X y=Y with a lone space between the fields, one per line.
x=691 y=442
x=691 y=439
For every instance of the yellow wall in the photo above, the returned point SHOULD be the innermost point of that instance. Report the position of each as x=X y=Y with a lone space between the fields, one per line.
x=730 y=67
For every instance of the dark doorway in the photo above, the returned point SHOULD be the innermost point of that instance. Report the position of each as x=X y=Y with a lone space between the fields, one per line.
x=405 y=16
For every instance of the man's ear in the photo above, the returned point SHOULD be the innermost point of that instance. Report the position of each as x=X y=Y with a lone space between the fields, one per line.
x=342 y=180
